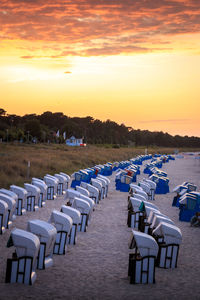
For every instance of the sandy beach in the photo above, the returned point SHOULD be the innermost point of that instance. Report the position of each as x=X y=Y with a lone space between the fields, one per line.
x=96 y=267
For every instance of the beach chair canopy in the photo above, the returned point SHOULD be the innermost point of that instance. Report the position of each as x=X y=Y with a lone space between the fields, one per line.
x=87 y=199
x=9 y=193
x=41 y=185
x=71 y=194
x=72 y=212
x=51 y=180
x=135 y=203
x=145 y=243
x=148 y=209
x=158 y=219
x=32 y=190
x=21 y=192
x=61 y=221
x=3 y=210
x=61 y=178
x=150 y=182
x=153 y=213
x=66 y=176
x=82 y=205
x=10 y=202
x=26 y=243
x=45 y=231
x=171 y=233
x=83 y=191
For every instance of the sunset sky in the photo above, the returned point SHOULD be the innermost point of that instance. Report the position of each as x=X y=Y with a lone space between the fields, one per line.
x=135 y=62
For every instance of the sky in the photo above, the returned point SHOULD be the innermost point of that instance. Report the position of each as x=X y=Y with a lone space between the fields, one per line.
x=135 y=62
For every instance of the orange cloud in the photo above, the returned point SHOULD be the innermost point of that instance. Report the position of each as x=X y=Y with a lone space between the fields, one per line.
x=91 y=27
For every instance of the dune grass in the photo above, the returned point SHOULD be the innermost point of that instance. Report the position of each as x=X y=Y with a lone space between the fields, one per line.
x=55 y=158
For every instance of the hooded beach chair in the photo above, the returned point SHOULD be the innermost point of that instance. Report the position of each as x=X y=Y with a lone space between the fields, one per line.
x=142 y=261
x=169 y=238
x=75 y=215
x=63 y=225
x=21 y=200
x=22 y=266
x=11 y=209
x=47 y=235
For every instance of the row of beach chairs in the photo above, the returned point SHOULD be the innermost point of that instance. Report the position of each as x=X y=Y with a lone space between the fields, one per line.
x=155 y=239
x=35 y=246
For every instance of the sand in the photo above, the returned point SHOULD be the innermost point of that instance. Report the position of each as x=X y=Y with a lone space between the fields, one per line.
x=96 y=267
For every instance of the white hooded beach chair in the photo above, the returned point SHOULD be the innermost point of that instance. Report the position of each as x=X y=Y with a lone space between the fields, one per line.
x=43 y=191
x=62 y=185
x=47 y=235
x=148 y=222
x=21 y=267
x=93 y=191
x=3 y=215
x=21 y=200
x=85 y=209
x=96 y=183
x=138 y=191
x=11 y=209
x=52 y=186
x=83 y=191
x=133 y=212
x=91 y=204
x=9 y=193
x=104 y=185
x=152 y=187
x=89 y=200
x=169 y=238
x=76 y=220
x=33 y=197
x=159 y=218
x=71 y=194
x=107 y=182
x=138 y=196
x=142 y=260
x=67 y=178
x=63 y=225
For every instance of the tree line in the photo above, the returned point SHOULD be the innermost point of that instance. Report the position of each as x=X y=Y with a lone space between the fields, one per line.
x=43 y=128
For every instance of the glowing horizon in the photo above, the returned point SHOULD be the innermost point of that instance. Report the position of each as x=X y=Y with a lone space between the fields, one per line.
x=133 y=63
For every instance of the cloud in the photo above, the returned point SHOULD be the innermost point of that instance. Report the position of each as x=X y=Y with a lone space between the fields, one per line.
x=27 y=57
x=102 y=27
x=166 y=121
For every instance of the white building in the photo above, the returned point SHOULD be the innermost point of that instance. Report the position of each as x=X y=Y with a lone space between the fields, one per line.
x=72 y=141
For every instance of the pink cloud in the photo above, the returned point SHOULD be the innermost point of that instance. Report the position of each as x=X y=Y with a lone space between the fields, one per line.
x=103 y=27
